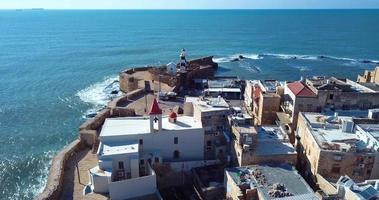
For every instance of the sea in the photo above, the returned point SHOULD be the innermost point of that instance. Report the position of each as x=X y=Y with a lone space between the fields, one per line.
x=57 y=67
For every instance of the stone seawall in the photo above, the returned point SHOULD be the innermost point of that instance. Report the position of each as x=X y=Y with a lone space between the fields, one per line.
x=54 y=186
x=88 y=133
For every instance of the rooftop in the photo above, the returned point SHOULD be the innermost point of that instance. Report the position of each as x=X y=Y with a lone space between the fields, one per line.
x=273 y=141
x=208 y=104
x=223 y=90
x=367 y=190
x=372 y=129
x=273 y=182
x=300 y=90
x=141 y=125
x=332 y=83
x=270 y=85
x=223 y=83
x=335 y=132
x=107 y=149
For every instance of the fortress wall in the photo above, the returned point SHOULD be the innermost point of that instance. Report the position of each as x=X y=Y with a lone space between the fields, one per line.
x=54 y=186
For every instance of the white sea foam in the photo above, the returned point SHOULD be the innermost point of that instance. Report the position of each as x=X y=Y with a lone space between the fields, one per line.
x=302 y=68
x=99 y=94
x=234 y=56
x=291 y=56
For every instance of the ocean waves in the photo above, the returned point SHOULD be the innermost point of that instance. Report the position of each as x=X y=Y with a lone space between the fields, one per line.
x=237 y=57
x=99 y=94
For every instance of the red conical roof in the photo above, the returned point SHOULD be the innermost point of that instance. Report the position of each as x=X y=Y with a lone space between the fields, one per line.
x=155 y=109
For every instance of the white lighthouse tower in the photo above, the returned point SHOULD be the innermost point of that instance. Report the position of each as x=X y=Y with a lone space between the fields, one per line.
x=183 y=61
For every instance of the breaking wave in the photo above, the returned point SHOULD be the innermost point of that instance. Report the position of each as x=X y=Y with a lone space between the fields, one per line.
x=235 y=56
x=292 y=57
x=99 y=94
x=302 y=68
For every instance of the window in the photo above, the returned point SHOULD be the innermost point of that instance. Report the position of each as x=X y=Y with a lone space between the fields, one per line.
x=336 y=169
x=176 y=154
x=337 y=157
x=220 y=151
x=176 y=140
x=121 y=165
x=331 y=96
x=156 y=160
x=142 y=162
x=141 y=141
x=209 y=143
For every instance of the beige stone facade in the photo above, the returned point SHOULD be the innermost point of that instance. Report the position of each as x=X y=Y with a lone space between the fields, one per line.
x=262 y=101
x=212 y=112
x=268 y=144
x=369 y=76
x=327 y=147
x=342 y=93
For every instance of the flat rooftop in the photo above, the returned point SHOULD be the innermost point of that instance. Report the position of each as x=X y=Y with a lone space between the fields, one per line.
x=270 y=140
x=329 y=134
x=223 y=83
x=333 y=83
x=270 y=85
x=235 y=90
x=209 y=104
x=273 y=141
x=141 y=125
x=107 y=150
x=271 y=133
x=267 y=178
x=372 y=129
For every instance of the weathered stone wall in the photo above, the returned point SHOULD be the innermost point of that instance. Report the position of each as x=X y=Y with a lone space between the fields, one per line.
x=316 y=160
x=54 y=184
x=325 y=185
x=127 y=82
x=96 y=122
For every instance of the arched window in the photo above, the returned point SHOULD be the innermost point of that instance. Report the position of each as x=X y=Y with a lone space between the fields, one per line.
x=176 y=154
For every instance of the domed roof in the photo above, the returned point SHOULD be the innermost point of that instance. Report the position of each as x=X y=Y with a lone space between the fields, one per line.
x=173 y=115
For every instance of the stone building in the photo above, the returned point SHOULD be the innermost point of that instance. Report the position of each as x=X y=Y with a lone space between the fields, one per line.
x=343 y=94
x=261 y=145
x=332 y=145
x=212 y=113
x=262 y=100
x=266 y=182
x=298 y=97
x=369 y=76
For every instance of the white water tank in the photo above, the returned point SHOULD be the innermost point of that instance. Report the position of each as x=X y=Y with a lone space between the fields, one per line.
x=171 y=68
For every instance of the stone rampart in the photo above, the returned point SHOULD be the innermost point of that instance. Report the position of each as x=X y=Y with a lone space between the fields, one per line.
x=54 y=186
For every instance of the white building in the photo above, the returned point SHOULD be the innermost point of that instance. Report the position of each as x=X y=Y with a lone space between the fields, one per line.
x=130 y=146
x=349 y=190
x=171 y=68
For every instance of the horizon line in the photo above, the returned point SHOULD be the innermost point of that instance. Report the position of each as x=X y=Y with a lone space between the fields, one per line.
x=41 y=8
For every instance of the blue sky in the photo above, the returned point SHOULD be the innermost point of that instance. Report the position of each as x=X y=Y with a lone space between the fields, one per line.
x=187 y=4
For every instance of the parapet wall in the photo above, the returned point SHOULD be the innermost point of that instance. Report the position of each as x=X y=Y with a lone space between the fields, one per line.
x=54 y=184
x=88 y=133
